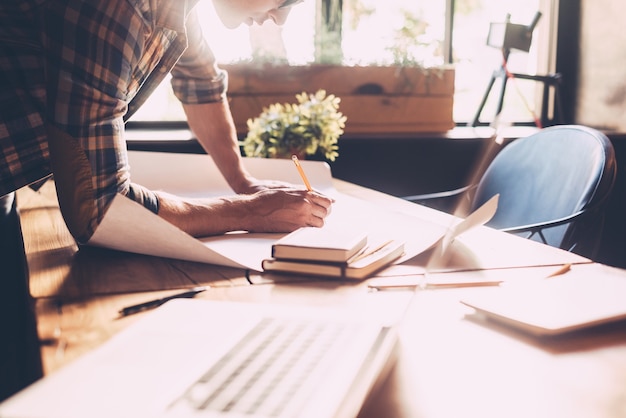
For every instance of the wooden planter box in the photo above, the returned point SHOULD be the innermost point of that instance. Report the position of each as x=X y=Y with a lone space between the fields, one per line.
x=374 y=99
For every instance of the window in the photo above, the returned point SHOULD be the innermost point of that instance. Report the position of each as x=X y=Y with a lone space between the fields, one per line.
x=394 y=31
x=475 y=61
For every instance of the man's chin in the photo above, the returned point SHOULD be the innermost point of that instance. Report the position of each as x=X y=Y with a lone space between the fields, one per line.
x=230 y=23
x=229 y=20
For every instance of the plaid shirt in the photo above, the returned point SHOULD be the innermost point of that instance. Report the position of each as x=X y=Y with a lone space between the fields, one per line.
x=81 y=68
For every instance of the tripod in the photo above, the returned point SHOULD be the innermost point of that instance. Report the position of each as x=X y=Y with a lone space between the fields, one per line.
x=507 y=36
x=550 y=81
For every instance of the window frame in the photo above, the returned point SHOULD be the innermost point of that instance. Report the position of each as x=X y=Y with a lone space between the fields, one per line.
x=556 y=52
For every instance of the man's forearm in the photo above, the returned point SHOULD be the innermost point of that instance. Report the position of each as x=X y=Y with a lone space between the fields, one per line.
x=213 y=125
x=265 y=211
x=204 y=217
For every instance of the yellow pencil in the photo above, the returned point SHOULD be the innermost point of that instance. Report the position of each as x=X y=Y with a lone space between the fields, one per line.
x=295 y=160
x=562 y=270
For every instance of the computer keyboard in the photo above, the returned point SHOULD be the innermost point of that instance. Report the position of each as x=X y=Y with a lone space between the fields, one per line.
x=272 y=369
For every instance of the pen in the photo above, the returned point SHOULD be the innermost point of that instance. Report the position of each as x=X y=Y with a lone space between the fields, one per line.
x=408 y=286
x=129 y=310
x=295 y=160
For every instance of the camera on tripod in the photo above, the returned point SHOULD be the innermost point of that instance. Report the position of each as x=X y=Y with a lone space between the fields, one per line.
x=506 y=35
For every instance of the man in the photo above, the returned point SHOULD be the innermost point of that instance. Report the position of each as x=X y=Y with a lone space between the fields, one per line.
x=82 y=68
x=71 y=73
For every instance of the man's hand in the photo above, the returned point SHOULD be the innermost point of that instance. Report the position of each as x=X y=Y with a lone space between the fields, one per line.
x=259 y=206
x=269 y=210
x=253 y=185
x=285 y=210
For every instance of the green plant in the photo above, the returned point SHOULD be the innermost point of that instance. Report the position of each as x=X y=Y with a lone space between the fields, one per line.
x=311 y=126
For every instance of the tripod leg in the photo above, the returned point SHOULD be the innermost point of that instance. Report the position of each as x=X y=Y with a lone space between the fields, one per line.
x=474 y=121
x=545 y=104
x=505 y=78
x=558 y=106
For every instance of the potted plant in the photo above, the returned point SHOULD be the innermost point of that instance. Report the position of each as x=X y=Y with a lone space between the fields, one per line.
x=310 y=127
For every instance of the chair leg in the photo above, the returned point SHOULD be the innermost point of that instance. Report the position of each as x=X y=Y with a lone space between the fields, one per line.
x=20 y=355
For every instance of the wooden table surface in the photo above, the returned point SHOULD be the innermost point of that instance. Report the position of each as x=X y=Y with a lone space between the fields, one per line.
x=449 y=363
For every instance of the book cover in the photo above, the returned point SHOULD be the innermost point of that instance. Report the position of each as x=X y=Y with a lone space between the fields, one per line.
x=360 y=266
x=319 y=244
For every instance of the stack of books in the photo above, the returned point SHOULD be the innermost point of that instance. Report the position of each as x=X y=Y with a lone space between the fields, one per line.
x=344 y=254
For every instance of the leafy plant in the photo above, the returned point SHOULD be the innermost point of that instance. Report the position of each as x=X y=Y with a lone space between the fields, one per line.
x=311 y=126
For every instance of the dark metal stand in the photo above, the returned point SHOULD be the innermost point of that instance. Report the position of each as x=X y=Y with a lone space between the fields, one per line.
x=507 y=36
x=550 y=81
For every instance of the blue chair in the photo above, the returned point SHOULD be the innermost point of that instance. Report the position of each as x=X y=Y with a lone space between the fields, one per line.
x=553 y=187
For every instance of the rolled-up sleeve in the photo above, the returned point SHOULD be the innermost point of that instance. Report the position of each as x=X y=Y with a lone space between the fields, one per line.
x=196 y=77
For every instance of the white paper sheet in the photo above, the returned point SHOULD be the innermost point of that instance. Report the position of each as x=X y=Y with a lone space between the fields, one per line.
x=128 y=226
x=196 y=175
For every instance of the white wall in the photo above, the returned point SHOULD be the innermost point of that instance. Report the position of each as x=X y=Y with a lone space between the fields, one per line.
x=602 y=78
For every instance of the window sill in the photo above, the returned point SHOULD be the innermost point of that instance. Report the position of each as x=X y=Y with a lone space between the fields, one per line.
x=165 y=135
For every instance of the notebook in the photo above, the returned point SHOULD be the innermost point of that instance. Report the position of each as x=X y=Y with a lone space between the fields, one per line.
x=320 y=244
x=358 y=267
x=580 y=299
x=224 y=359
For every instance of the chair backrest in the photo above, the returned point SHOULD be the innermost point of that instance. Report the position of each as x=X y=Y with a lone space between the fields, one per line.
x=552 y=174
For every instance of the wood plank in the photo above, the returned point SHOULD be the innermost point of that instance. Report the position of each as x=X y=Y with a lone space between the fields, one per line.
x=365 y=113
x=247 y=79
x=374 y=98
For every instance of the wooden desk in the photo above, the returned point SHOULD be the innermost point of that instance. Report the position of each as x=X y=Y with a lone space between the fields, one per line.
x=452 y=366
x=448 y=365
